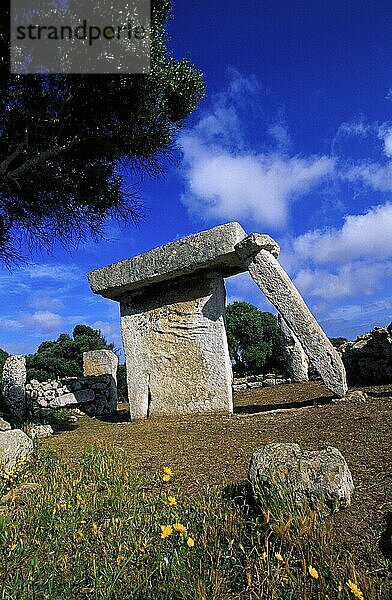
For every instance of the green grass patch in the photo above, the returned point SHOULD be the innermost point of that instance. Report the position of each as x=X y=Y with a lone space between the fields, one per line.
x=92 y=529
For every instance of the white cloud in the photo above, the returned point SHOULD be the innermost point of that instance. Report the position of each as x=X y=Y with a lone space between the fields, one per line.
x=353 y=279
x=367 y=236
x=8 y=324
x=245 y=186
x=44 y=302
x=375 y=175
x=228 y=180
x=44 y=321
x=59 y=272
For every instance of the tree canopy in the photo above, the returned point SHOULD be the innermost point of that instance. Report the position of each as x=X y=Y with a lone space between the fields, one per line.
x=338 y=341
x=67 y=141
x=255 y=340
x=64 y=357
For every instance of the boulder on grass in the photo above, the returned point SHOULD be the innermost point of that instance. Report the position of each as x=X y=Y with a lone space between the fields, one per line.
x=14 y=445
x=318 y=479
x=40 y=431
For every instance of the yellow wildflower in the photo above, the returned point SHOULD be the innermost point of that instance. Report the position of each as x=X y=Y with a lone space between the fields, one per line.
x=264 y=555
x=13 y=547
x=340 y=587
x=355 y=590
x=180 y=528
x=166 y=530
x=279 y=557
x=190 y=542
x=168 y=471
x=313 y=572
x=166 y=478
x=171 y=501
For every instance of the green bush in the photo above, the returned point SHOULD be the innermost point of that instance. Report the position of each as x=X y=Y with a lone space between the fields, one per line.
x=255 y=340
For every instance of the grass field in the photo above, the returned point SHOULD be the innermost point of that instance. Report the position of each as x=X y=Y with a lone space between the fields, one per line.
x=209 y=456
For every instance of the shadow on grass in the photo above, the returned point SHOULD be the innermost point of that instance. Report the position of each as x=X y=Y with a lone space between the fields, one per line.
x=385 y=543
x=263 y=408
x=63 y=426
x=119 y=416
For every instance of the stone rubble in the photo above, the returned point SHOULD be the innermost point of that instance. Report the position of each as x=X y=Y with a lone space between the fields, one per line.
x=368 y=360
x=94 y=394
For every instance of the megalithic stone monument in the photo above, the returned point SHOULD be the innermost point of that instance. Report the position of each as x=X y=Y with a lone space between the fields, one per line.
x=172 y=302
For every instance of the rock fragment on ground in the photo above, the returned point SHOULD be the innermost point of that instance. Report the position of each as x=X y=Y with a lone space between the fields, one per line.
x=40 y=431
x=316 y=478
x=14 y=445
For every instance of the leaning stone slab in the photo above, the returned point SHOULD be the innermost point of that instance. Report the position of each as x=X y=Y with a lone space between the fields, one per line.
x=212 y=249
x=14 y=445
x=298 y=362
x=281 y=292
x=314 y=478
x=14 y=381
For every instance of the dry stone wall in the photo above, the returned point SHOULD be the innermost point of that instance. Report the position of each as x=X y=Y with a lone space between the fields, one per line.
x=93 y=394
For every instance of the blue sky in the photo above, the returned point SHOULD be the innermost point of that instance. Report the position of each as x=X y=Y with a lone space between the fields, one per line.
x=294 y=139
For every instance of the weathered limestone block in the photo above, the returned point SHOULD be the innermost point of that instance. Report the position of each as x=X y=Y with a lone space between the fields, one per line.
x=281 y=292
x=100 y=362
x=212 y=249
x=14 y=445
x=103 y=362
x=311 y=477
x=14 y=381
x=40 y=431
x=72 y=398
x=298 y=362
x=176 y=348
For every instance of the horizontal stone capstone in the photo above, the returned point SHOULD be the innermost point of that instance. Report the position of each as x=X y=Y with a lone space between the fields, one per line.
x=212 y=250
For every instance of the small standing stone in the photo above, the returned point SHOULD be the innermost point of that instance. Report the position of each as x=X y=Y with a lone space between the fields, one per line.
x=14 y=381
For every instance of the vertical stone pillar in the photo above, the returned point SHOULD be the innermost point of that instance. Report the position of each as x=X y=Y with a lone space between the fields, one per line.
x=103 y=362
x=298 y=362
x=14 y=382
x=176 y=348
